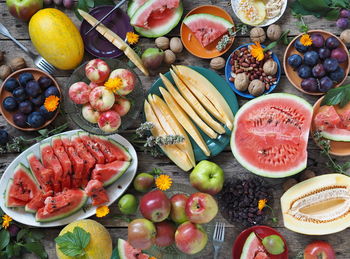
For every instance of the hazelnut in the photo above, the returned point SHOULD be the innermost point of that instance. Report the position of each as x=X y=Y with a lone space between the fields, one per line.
x=169 y=57
x=242 y=82
x=307 y=174
x=289 y=183
x=274 y=32
x=270 y=67
x=345 y=36
x=176 y=45
x=17 y=64
x=257 y=34
x=217 y=63
x=162 y=43
x=5 y=71
x=256 y=87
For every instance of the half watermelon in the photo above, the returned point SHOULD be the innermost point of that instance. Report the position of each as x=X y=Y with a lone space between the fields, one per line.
x=109 y=173
x=126 y=251
x=44 y=176
x=133 y=5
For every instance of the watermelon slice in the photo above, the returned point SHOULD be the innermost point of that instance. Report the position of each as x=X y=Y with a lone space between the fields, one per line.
x=37 y=202
x=271 y=133
x=109 y=173
x=62 y=205
x=126 y=251
x=206 y=27
x=51 y=161
x=92 y=147
x=21 y=188
x=98 y=194
x=44 y=176
x=156 y=18
x=134 y=5
x=253 y=249
x=65 y=162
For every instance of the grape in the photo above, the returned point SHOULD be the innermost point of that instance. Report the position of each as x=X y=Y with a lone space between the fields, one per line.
x=273 y=244
x=309 y=85
x=325 y=84
x=317 y=40
x=344 y=13
x=342 y=23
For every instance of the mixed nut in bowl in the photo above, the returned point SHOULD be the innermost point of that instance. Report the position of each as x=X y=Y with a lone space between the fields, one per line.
x=249 y=77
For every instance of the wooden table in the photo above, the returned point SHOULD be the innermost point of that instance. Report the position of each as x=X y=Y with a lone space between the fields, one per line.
x=117 y=228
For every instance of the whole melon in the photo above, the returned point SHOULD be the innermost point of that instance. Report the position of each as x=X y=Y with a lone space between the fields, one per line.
x=100 y=245
x=56 y=38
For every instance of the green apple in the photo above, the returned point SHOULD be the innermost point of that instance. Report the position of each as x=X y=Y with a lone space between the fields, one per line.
x=207 y=177
x=128 y=204
x=143 y=182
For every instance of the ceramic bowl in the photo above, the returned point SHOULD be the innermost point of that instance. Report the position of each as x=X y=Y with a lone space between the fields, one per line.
x=245 y=94
x=3 y=94
x=293 y=75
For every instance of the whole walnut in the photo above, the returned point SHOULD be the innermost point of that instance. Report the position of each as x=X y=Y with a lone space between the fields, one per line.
x=176 y=45
x=257 y=34
x=162 y=43
x=345 y=36
x=169 y=57
x=5 y=71
x=17 y=64
x=256 y=87
x=242 y=82
x=274 y=32
x=270 y=67
x=217 y=63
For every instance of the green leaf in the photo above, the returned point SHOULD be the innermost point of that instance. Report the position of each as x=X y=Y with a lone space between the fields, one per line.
x=82 y=236
x=333 y=14
x=22 y=233
x=81 y=5
x=299 y=9
x=270 y=46
x=4 y=239
x=104 y=2
x=9 y=250
x=36 y=248
x=340 y=95
x=73 y=244
x=340 y=3
x=16 y=249
x=43 y=132
x=36 y=235
x=3 y=255
x=314 y=5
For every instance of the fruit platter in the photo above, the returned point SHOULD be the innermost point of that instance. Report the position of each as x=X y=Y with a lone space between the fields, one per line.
x=175 y=129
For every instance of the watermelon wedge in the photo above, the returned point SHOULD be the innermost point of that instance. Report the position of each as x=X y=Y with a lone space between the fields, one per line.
x=98 y=194
x=65 y=162
x=92 y=147
x=37 y=202
x=21 y=188
x=134 y=5
x=61 y=205
x=253 y=248
x=126 y=251
x=109 y=173
x=206 y=27
x=51 y=161
x=44 y=176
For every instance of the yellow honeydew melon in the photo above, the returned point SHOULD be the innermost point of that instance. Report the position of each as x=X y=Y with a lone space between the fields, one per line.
x=56 y=38
x=186 y=107
x=172 y=151
x=260 y=15
x=318 y=206
x=196 y=105
x=193 y=79
x=185 y=121
x=100 y=245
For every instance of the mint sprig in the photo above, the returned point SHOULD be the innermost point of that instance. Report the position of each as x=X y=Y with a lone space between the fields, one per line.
x=73 y=243
x=337 y=96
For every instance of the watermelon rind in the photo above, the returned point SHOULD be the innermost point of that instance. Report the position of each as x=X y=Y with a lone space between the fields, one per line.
x=10 y=182
x=247 y=165
x=132 y=8
x=121 y=171
x=341 y=135
x=247 y=246
x=159 y=31
x=124 y=251
x=212 y=18
x=126 y=152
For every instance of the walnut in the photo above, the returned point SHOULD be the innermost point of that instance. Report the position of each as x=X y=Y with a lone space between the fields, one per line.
x=274 y=32
x=345 y=36
x=176 y=45
x=256 y=87
x=217 y=63
x=169 y=57
x=5 y=71
x=17 y=64
x=270 y=67
x=257 y=34
x=242 y=82
x=162 y=43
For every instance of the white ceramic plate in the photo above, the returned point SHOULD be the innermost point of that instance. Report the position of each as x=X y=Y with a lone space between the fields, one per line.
x=114 y=191
x=266 y=22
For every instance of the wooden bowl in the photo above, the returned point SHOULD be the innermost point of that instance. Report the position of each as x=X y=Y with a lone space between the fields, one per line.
x=190 y=41
x=338 y=148
x=3 y=94
x=293 y=75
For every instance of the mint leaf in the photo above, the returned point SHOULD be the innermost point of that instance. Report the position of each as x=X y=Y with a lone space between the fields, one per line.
x=82 y=236
x=4 y=239
x=36 y=248
x=340 y=95
x=73 y=244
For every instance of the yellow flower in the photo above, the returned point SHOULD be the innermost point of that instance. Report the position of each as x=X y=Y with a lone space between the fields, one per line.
x=163 y=182
x=114 y=84
x=6 y=221
x=306 y=40
x=152 y=257
x=51 y=103
x=257 y=51
x=262 y=204
x=102 y=211
x=132 y=38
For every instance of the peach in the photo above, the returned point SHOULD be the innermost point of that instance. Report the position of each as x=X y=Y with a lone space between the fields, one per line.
x=97 y=70
x=79 y=92
x=101 y=99
x=122 y=106
x=90 y=114
x=109 y=121
x=92 y=85
x=129 y=80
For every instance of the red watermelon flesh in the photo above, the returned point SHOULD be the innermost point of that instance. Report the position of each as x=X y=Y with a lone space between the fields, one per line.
x=65 y=162
x=51 y=161
x=98 y=194
x=253 y=248
x=326 y=118
x=37 y=202
x=44 y=176
x=112 y=148
x=109 y=173
x=344 y=114
x=126 y=251
x=92 y=147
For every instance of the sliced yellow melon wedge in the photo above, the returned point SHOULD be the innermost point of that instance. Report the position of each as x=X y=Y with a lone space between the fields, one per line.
x=185 y=121
x=196 y=105
x=172 y=151
x=170 y=125
x=193 y=79
x=186 y=107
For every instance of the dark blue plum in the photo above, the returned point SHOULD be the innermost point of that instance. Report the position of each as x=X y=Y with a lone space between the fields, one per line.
x=4 y=137
x=317 y=40
x=338 y=75
x=52 y=90
x=325 y=84
x=39 y=100
x=330 y=64
x=311 y=58
x=304 y=71
x=324 y=53
x=342 y=23
x=32 y=88
x=300 y=47
x=309 y=85
x=11 y=84
x=47 y=115
x=332 y=43
x=36 y=119
x=25 y=107
x=318 y=71
x=20 y=94
x=295 y=60
x=20 y=119
x=24 y=78
x=10 y=104
x=45 y=82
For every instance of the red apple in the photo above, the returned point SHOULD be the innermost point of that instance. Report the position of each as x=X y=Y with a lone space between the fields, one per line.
x=90 y=114
x=97 y=70
x=155 y=206
x=122 y=106
x=109 y=121
x=165 y=233
x=178 y=204
x=24 y=9
x=128 y=78
x=190 y=238
x=201 y=208
x=319 y=250
x=141 y=233
x=101 y=99
x=79 y=92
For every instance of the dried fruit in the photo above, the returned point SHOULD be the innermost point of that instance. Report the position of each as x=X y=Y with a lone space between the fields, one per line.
x=162 y=43
x=169 y=57
x=270 y=67
x=176 y=45
x=242 y=82
x=345 y=36
x=256 y=87
x=17 y=64
x=257 y=34
x=5 y=71
x=274 y=32
x=217 y=63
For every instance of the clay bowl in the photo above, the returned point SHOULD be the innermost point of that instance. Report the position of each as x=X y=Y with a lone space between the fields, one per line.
x=293 y=75
x=3 y=94
x=338 y=148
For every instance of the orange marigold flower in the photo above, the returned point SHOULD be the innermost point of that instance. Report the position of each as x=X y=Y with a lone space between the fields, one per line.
x=132 y=38
x=163 y=182
x=51 y=103
x=114 y=84
x=257 y=51
x=262 y=204
x=6 y=219
x=306 y=40
x=102 y=211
